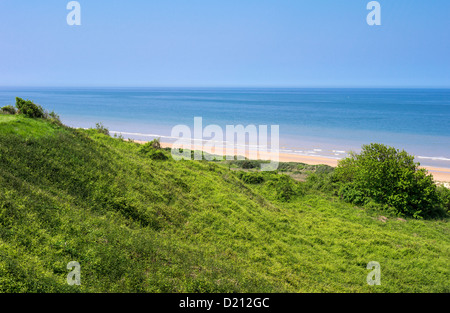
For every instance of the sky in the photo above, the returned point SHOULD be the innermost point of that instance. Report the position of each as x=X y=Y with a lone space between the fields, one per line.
x=225 y=43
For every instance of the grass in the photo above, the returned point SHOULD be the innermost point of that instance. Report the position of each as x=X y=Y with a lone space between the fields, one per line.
x=27 y=127
x=141 y=225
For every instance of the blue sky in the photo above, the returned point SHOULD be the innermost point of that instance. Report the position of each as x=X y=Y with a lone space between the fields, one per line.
x=231 y=43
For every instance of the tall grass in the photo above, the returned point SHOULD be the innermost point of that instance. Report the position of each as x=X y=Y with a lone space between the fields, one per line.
x=136 y=224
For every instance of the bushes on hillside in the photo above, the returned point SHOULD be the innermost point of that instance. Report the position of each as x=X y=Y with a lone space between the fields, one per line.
x=102 y=129
x=29 y=108
x=444 y=194
x=274 y=186
x=52 y=117
x=8 y=109
x=251 y=177
x=152 y=149
x=283 y=187
x=389 y=177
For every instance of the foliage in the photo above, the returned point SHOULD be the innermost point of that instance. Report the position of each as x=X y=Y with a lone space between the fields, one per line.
x=139 y=225
x=150 y=146
x=29 y=108
x=155 y=143
x=53 y=118
x=322 y=180
x=152 y=149
x=102 y=129
x=282 y=187
x=390 y=177
x=248 y=164
x=444 y=195
x=251 y=178
x=8 y=109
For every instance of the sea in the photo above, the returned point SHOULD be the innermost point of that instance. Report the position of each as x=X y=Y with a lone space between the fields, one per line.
x=314 y=122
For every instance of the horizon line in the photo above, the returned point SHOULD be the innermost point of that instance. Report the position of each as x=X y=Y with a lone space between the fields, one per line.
x=227 y=87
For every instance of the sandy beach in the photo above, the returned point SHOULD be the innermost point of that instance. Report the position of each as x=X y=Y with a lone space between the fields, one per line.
x=441 y=175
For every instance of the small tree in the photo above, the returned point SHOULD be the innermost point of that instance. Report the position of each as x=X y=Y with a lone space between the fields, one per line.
x=155 y=143
x=29 y=109
x=390 y=177
x=152 y=149
x=102 y=129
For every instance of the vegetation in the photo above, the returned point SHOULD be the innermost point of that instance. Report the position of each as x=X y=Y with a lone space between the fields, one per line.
x=29 y=108
x=389 y=177
x=102 y=129
x=8 y=109
x=152 y=150
x=136 y=224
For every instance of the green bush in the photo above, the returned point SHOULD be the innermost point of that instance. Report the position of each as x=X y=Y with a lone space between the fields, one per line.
x=153 y=150
x=155 y=143
x=8 y=109
x=150 y=146
x=251 y=178
x=29 y=109
x=158 y=155
x=321 y=181
x=349 y=193
x=102 y=129
x=390 y=177
x=53 y=117
x=324 y=169
x=282 y=187
x=249 y=164
x=444 y=194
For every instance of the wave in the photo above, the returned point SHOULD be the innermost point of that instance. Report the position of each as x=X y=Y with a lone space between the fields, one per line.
x=433 y=158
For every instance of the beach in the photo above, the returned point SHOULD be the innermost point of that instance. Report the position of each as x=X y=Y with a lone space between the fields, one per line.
x=440 y=175
x=312 y=122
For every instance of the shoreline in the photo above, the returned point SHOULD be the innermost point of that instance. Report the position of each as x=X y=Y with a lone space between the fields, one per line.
x=440 y=175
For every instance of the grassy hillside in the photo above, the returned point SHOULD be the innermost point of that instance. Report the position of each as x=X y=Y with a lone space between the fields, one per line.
x=141 y=225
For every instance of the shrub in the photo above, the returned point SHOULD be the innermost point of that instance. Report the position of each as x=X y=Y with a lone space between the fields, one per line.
x=249 y=164
x=9 y=109
x=444 y=195
x=324 y=169
x=282 y=187
x=155 y=144
x=251 y=178
x=390 y=177
x=102 y=129
x=150 y=146
x=152 y=149
x=29 y=109
x=53 y=117
x=158 y=155
x=321 y=181
x=349 y=193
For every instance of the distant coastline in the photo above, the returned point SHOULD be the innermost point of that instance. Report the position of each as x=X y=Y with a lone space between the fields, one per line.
x=317 y=122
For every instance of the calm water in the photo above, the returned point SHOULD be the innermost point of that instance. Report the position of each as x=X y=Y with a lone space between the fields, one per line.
x=327 y=122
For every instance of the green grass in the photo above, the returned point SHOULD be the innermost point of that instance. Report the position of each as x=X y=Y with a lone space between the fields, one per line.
x=27 y=127
x=141 y=225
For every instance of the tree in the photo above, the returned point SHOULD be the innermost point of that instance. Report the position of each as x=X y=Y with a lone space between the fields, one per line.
x=390 y=177
x=29 y=109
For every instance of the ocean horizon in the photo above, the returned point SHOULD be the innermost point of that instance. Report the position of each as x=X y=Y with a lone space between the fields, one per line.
x=327 y=122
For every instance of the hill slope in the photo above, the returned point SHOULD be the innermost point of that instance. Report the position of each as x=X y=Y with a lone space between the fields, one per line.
x=141 y=225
